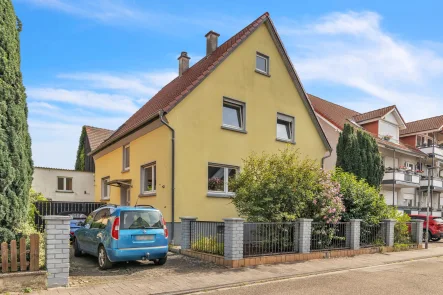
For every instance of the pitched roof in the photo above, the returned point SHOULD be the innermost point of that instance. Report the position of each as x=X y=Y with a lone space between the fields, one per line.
x=97 y=135
x=424 y=125
x=375 y=114
x=171 y=94
x=335 y=113
x=339 y=115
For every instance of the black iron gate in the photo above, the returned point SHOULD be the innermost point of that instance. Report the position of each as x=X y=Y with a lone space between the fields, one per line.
x=62 y=208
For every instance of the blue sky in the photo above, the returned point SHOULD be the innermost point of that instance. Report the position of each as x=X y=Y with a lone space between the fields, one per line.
x=96 y=62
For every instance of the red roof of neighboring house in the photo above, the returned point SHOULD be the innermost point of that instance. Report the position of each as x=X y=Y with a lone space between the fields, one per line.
x=338 y=116
x=335 y=113
x=424 y=125
x=375 y=114
x=171 y=94
x=178 y=88
x=97 y=135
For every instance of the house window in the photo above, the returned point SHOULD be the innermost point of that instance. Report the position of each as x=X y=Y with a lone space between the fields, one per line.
x=106 y=188
x=218 y=180
x=148 y=179
x=409 y=166
x=285 y=128
x=64 y=184
x=234 y=114
x=126 y=157
x=262 y=63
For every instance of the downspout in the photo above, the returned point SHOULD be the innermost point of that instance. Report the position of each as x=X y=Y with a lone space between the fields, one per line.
x=393 y=181
x=324 y=158
x=161 y=113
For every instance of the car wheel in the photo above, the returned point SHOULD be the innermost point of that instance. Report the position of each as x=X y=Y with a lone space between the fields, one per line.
x=160 y=261
x=77 y=251
x=429 y=236
x=103 y=260
x=436 y=239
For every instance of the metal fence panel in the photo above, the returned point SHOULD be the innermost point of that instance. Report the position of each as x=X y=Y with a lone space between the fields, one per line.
x=372 y=235
x=208 y=237
x=329 y=236
x=270 y=238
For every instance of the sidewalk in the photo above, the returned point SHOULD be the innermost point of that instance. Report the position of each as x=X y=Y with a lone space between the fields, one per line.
x=181 y=284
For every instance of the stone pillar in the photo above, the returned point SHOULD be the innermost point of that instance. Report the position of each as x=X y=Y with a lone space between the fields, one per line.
x=57 y=250
x=233 y=238
x=353 y=234
x=417 y=231
x=304 y=241
x=389 y=231
x=186 y=232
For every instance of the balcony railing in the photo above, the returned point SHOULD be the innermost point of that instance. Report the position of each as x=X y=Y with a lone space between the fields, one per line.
x=435 y=182
x=402 y=176
x=432 y=149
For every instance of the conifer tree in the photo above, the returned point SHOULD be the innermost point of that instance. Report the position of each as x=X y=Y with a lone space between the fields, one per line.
x=16 y=165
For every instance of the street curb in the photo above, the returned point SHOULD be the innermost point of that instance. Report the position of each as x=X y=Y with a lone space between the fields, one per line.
x=282 y=278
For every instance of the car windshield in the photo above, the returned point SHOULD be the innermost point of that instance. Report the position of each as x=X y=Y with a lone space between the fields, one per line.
x=141 y=220
x=438 y=219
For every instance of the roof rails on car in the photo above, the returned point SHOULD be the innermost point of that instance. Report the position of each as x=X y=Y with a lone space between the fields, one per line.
x=149 y=206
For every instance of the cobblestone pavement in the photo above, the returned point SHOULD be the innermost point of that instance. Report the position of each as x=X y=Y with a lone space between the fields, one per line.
x=182 y=275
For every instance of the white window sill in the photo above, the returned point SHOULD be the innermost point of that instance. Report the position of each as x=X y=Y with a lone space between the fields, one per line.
x=105 y=199
x=285 y=140
x=148 y=194
x=231 y=128
x=220 y=195
x=65 y=192
x=125 y=170
x=263 y=73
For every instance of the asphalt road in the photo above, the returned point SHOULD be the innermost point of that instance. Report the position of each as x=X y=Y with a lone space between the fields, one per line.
x=416 y=277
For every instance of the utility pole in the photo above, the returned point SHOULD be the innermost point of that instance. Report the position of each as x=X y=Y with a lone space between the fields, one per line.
x=428 y=197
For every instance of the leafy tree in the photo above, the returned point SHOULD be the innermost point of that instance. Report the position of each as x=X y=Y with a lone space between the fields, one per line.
x=361 y=200
x=357 y=152
x=16 y=165
x=284 y=187
x=80 y=162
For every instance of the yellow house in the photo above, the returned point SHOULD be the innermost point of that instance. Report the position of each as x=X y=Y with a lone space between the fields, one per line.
x=178 y=151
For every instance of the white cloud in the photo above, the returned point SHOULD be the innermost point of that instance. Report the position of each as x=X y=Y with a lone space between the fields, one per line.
x=146 y=84
x=41 y=105
x=353 y=50
x=84 y=98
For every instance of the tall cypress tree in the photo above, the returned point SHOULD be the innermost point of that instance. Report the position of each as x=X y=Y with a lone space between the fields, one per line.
x=80 y=161
x=16 y=165
x=357 y=152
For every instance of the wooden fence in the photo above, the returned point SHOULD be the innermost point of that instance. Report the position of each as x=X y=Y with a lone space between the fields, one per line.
x=24 y=259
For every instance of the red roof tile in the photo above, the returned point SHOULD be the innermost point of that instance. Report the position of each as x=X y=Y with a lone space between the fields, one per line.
x=335 y=113
x=375 y=114
x=424 y=125
x=97 y=135
x=178 y=88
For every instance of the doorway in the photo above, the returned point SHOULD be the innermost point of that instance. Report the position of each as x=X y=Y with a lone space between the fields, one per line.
x=125 y=196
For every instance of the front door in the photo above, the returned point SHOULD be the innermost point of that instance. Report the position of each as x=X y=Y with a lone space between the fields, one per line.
x=125 y=196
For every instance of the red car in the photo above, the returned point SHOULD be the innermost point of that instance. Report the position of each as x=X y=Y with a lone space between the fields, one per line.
x=435 y=226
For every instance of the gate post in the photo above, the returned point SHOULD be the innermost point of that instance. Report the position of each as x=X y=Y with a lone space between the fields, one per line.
x=186 y=232
x=57 y=250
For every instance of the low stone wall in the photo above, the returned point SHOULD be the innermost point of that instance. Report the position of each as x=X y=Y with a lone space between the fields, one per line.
x=18 y=281
x=252 y=261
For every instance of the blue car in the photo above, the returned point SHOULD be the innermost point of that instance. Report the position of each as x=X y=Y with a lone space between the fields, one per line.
x=115 y=234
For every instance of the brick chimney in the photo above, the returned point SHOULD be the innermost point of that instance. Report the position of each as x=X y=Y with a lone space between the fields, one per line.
x=183 y=63
x=211 y=42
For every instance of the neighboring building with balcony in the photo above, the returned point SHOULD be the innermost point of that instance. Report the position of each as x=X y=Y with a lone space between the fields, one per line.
x=405 y=164
x=427 y=136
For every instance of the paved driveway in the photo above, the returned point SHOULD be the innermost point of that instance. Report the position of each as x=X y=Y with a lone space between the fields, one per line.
x=84 y=270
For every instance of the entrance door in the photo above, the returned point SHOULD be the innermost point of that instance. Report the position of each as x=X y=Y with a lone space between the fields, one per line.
x=125 y=196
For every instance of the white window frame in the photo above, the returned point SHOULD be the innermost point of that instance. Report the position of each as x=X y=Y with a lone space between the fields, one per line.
x=151 y=165
x=64 y=184
x=225 y=193
x=104 y=182
x=266 y=59
x=125 y=148
x=242 y=106
x=408 y=165
x=291 y=121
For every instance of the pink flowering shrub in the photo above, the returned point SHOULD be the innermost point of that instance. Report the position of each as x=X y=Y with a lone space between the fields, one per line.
x=283 y=187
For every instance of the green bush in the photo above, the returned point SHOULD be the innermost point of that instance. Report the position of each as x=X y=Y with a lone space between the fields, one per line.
x=208 y=245
x=361 y=200
x=6 y=235
x=283 y=187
